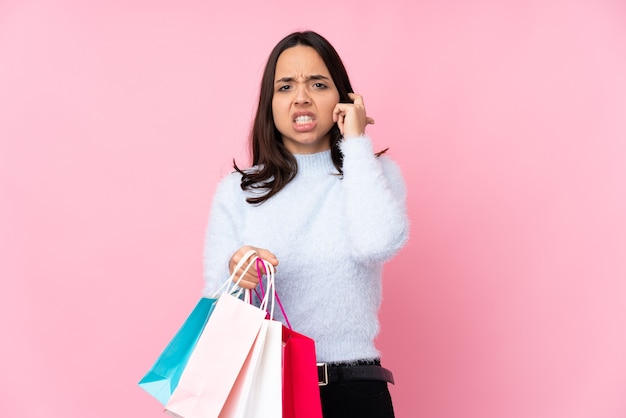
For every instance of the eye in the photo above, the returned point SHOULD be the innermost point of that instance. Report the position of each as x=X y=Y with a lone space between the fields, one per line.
x=284 y=88
x=319 y=85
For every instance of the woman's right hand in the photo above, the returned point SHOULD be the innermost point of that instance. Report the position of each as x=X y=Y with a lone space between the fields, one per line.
x=251 y=279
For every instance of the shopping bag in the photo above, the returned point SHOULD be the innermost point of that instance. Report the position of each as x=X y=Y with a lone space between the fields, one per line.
x=301 y=394
x=257 y=392
x=217 y=359
x=267 y=388
x=300 y=388
x=162 y=378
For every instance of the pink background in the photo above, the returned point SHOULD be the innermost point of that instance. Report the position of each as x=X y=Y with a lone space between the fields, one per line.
x=117 y=118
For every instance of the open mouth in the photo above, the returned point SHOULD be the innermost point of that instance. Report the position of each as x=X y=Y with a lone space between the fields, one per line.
x=303 y=120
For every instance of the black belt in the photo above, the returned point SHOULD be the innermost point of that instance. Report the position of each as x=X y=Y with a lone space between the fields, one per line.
x=330 y=373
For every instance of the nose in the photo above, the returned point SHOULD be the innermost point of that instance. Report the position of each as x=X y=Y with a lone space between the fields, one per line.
x=302 y=95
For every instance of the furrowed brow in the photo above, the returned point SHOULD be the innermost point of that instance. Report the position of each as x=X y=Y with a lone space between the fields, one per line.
x=311 y=77
x=284 y=80
x=317 y=77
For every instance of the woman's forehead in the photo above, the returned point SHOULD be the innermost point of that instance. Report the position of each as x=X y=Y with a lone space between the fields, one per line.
x=300 y=62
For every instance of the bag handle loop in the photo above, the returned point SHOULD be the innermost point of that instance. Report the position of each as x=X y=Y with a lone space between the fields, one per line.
x=230 y=285
x=269 y=273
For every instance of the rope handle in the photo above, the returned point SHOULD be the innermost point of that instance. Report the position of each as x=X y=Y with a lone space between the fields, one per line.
x=269 y=273
x=230 y=285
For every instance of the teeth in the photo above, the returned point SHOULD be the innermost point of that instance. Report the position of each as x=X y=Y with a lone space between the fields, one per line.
x=301 y=120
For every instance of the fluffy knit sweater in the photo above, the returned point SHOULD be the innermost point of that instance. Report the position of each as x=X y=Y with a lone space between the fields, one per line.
x=331 y=235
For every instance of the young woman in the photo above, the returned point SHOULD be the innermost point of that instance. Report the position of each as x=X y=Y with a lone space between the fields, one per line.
x=323 y=208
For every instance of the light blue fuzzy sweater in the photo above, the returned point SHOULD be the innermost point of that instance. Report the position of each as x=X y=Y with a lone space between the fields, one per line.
x=331 y=235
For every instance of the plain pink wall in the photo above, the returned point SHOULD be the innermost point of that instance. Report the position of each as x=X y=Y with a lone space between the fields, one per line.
x=508 y=117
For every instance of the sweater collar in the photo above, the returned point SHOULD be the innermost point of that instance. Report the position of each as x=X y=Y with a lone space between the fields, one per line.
x=320 y=162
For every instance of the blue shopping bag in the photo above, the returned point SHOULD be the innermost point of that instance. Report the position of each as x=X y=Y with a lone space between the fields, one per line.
x=163 y=377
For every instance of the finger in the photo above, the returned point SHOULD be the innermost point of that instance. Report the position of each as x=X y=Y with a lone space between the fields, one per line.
x=242 y=272
x=238 y=255
x=249 y=280
x=356 y=99
x=247 y=285
x=339 y=115
x=251 y=276
x=340 y=122
x=267 y=256
x=339 y=109
x=370 y=121
x=236 y=259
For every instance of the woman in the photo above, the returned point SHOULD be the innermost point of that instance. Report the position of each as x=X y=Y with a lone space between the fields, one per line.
x=320 y=205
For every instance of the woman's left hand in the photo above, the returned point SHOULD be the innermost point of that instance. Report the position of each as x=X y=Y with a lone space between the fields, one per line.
x=351 y=118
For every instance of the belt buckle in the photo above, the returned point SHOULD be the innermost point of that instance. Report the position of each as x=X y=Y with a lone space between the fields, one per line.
x=322 y=374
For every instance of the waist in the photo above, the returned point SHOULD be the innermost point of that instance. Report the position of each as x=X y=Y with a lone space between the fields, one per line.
x=352 y=371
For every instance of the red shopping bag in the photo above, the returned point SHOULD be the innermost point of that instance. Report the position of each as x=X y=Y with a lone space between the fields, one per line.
x=301 y=393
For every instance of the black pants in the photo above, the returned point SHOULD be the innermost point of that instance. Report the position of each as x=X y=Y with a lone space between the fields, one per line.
x=358 y=399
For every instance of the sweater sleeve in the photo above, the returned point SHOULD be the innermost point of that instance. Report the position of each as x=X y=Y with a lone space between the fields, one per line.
x=221 y=238
x=375 y=201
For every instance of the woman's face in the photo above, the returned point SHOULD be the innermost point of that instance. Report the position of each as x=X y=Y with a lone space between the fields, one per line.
x=304 y=99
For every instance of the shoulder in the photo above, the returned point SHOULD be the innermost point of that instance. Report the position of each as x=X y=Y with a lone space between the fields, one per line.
x=390 y=166
x=227 y=190
x=361 y=149
x=357 y=146
x=229 y=182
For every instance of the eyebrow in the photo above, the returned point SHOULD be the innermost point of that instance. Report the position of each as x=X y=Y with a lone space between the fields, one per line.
x=311 y=77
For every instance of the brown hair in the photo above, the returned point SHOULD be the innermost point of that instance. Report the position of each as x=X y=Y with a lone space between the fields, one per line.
x=275 y=165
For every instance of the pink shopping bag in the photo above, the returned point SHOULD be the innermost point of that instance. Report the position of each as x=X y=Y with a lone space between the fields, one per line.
x=267 y=388
x=301 y=394
x=217 y=360
x=257 y=392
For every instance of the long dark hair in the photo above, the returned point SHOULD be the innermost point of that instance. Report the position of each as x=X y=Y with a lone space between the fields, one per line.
x=275 y=165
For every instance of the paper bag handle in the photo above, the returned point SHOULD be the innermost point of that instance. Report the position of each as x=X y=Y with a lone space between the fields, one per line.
x=230 y=286
x=269 y=273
